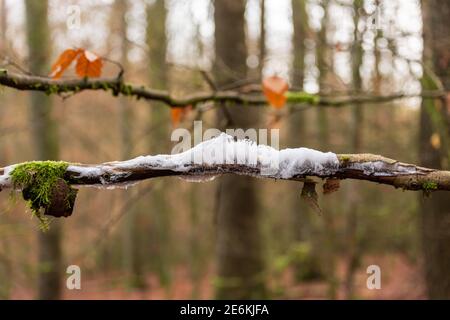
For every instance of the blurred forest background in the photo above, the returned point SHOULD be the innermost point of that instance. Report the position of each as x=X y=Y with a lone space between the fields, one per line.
x=233 y=237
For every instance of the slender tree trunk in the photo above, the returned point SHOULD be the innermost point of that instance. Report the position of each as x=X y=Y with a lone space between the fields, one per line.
x=262 y=37
x=239 y=248
x=45 y=140
x=377 y=77
x=131 y=245
x=3 y=24
x=198 y=260
x=195 y=240
x=300 y=20
x=301 y=223
x=322 y=55
x=3 y=47
x=158 y=76
x=434 y=120
x=5 y=263
x=352 y=257
x=323 y=60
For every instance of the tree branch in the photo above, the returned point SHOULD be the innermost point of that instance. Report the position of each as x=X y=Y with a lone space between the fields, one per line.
x=290 y=164
x=116 y=86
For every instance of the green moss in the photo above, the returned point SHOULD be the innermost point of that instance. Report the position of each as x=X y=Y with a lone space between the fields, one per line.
x=344 y=158
x=3 y=72
x=126 y=89
x=52 y=89
x=37 y=180
x=302 y=97
x=429 y=186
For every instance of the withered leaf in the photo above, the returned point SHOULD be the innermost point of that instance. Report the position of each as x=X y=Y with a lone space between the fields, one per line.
x=331 y=185
x=310 y=196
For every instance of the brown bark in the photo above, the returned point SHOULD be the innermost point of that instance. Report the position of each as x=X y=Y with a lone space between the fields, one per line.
x=362 y=166
x=240 y=261
x=161 y=228
x=353 y=250
x=45 y=140
x=436 y=210
x=302 y=227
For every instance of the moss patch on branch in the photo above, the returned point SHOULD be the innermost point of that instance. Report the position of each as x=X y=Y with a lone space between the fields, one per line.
x=43 y=186
x=302 y=97
x=429 y=186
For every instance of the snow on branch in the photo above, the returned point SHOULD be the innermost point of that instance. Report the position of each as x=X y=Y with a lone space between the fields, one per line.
x=118 y=87
x=49 y=186
x=225 y=155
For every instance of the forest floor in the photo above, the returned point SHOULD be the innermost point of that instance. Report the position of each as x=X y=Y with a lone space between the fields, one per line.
x=400 y=279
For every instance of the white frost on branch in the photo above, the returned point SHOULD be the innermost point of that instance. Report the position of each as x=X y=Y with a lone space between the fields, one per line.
x=225 y=150
x=378 y=168
x=5 y=178
x=224 y=154
x=213 y=156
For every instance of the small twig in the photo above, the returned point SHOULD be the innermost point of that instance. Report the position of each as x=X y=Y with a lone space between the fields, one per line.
x=119 y=65
x=9 y=62
x=209 y=80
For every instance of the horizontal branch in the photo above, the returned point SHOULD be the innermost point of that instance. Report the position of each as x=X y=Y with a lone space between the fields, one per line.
x=224 y=155
x=117 y=86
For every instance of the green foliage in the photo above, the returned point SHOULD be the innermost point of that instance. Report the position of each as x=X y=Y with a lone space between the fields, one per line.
x=37 y=180
x=429 y=186
x=302 y=97
x=52 y=89
x=344 y=158
x=126 y=89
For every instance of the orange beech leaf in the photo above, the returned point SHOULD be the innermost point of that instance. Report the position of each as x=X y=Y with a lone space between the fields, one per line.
x=274 y=88
x=89 y=65
x=63 y=62
x=177 y=114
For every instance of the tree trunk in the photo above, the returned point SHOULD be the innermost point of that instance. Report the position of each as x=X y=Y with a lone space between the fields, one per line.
x=158 y=76
x=45 y=141
x=322 y=65
x=132 y=260
x=3 y=26
x=329 y=237
x=353 y=252
x=3 y=48
x=300 y=20
x=5 y=263
x=262 y=36
x=308 y=268
x=436 y=209
x=239 y=248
